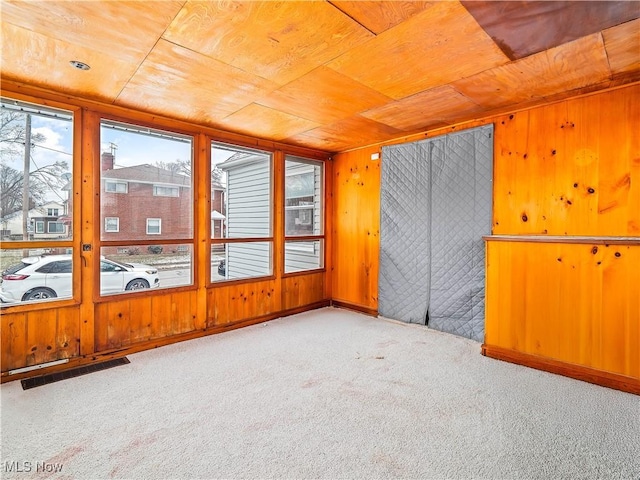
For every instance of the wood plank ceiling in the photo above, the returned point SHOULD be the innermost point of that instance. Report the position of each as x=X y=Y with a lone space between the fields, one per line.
x=328 y=75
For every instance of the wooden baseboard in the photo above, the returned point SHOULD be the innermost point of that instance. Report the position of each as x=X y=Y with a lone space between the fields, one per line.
x=111 y=354
x=579 y=372
x=353 y=306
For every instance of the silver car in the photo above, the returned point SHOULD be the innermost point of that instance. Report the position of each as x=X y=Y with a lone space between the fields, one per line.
x=45 y=277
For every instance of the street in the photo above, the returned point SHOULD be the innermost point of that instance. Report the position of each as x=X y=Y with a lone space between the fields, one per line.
x=181 y=276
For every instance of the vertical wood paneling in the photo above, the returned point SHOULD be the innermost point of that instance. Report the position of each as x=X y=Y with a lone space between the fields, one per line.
x=237 y=302
x=89 y=211
x=577 y=303
x=356 y=227
x=14 y=340
x=31 y=338
x=121 y=321
x=301 y=290
x=570 y=168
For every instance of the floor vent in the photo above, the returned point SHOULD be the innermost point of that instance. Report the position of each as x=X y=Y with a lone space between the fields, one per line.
x=74 y=372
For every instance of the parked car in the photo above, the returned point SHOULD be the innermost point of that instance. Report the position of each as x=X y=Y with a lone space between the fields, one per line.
x=44 y=277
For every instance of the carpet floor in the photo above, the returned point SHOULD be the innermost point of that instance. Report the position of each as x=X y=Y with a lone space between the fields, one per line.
x=328 y=394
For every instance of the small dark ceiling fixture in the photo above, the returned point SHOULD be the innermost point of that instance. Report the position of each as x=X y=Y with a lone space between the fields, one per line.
x=79 y=65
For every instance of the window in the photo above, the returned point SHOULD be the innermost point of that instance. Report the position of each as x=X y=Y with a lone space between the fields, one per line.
x=153 y=226
x=241 y=213
x=62 y=266
x=50 y=171
x=160 y=191
x=111 y=224
x=55 y=227
x=154 y=168
x=304 y=190
x=115 y=187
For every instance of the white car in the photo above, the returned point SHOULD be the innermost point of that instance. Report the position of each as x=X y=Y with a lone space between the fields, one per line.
x=45 y=277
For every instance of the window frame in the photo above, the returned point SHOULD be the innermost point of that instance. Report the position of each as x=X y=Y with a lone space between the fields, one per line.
x=171 y=187
x=226 y=241
x=55 y=222
x=106 y=221
x=136 y=239
x=290 y=240
x=116 y=183
x=159 y=232
x=39 y=107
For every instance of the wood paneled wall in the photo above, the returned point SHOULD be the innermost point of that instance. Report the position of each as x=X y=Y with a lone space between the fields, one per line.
x=566 y=169
x=88 y=328
x=356 y=228
x=577 y=303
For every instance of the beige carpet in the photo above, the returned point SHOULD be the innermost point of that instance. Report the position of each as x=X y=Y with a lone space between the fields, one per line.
x=324 y=394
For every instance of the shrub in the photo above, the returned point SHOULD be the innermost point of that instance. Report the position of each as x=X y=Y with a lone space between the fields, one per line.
x=155 y=249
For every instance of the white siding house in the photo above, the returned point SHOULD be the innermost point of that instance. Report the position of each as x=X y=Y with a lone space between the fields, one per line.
x=303 y=214
x=46 y=222
x=248 y=214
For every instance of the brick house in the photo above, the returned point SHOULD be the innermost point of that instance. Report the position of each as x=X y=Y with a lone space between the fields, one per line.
x=144 y=202
x=217 y=209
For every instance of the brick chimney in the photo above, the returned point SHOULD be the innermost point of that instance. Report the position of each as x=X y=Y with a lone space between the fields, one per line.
x=107 y=161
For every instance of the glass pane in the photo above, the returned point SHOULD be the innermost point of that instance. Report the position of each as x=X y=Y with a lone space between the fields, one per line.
x=233 y=261
x=303 y=197
x=130 y=268
x=240 y=192
x=36 y=160
x=300 y=256
x=146 y=184
x=36 y=275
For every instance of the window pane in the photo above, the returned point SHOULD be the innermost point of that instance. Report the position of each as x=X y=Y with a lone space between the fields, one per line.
x=146 y=183
x=303 y=197
x=36 y=275
x=38 y=141
x=126 y=269
x=300 y=256
x=111 y=224
x=154 y=226
x=240 y=192
x=233 y=261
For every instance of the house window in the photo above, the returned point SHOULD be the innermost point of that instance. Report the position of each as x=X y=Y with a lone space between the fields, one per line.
x=49 y=180
x=161 y=191
x=303 y=197
x=112 y=224
x=115 y=187
x=55 y=227
x=154 y=226
x=241 y=212
x=147 y=163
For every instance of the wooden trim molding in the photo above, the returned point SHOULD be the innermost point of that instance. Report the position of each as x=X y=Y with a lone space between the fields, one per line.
x=352 y=306
x=563 y=239
x=579 y=372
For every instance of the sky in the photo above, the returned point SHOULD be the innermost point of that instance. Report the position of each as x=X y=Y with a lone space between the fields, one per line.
x=132 y=148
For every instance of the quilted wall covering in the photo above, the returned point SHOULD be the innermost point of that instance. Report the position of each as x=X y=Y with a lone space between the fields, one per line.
x=435 y=208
